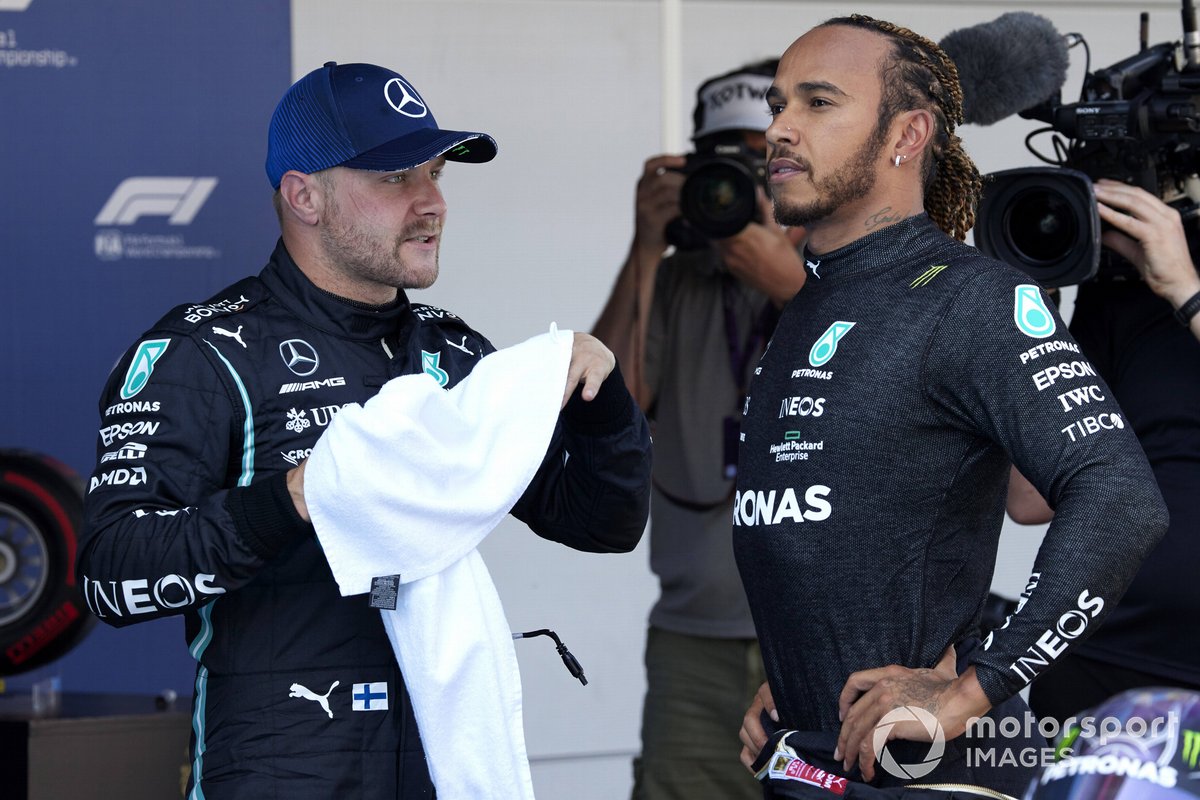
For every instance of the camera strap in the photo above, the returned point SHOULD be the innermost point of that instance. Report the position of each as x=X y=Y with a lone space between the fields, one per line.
x=741 y=355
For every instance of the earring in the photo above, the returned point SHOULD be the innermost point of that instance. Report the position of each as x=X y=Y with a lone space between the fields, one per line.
x=899 y=158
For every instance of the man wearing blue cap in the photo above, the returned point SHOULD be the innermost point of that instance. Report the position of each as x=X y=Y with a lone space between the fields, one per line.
x=198 y=505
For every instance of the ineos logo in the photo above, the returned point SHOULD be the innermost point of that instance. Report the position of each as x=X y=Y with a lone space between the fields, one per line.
x=410 y=103
x=299 y=356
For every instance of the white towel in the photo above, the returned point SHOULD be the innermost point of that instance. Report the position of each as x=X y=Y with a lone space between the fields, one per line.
x=409 y=484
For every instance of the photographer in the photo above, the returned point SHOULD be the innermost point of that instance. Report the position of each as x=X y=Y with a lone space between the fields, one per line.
x=1130 y=331
x=688 y=329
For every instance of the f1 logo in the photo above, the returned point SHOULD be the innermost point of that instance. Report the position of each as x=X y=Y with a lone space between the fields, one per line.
x=178 y=199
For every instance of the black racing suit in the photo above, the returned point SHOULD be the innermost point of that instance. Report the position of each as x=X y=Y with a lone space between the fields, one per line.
x=899 y=386
x=188 y=513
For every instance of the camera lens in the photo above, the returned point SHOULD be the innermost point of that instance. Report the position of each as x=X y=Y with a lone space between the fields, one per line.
x=719 y=198
x=1043 y=221
x=1041 y=225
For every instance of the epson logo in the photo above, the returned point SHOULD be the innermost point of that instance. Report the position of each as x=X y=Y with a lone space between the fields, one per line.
x=124 y=430
x=122 y=476
x=751 y=507
x=126 y=598
x=287 y=388
x=178 y=199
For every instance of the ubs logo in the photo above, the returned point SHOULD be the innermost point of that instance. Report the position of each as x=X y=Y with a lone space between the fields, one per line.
x=299 y=356
x=409 y=103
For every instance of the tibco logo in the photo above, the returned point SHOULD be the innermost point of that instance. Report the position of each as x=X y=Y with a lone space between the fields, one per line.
x=178 y=199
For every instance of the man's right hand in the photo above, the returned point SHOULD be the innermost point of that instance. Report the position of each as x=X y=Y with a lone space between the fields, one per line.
x=657 y=201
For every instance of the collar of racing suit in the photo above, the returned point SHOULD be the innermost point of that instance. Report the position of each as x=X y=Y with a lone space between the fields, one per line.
x=870 y=255
x=325 y=311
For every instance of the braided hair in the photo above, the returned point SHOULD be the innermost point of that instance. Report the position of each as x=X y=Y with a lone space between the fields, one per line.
x=925 y=77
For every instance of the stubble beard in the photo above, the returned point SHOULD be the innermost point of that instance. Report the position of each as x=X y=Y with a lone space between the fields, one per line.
x=365 y=258
x=852 y=181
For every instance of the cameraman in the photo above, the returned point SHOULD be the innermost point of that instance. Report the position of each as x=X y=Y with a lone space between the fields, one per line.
x=688 y=329
x=1131 y=331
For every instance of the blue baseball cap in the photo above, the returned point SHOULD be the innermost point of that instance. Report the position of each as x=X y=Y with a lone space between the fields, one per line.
x=364 y=117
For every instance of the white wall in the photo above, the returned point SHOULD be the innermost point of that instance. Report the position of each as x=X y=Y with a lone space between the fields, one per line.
x=573 y=91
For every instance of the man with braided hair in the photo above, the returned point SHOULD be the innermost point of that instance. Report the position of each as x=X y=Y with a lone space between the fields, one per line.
x=866 y=535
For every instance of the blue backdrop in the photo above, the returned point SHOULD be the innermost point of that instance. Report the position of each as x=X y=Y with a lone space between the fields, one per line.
x=132 y=140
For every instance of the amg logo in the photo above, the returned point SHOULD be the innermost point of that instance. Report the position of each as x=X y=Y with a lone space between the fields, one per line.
x=287 y=388
x=126 y=598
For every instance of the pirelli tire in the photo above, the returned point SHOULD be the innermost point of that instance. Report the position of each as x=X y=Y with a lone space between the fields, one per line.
x=42 y=612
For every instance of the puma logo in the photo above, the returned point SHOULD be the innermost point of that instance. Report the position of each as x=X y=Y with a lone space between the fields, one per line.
x=305 y=693
x=235 y=335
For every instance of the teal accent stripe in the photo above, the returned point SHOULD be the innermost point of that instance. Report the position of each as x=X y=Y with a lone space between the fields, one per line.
x=197 y=648
x=248 y=429
x=204 y=638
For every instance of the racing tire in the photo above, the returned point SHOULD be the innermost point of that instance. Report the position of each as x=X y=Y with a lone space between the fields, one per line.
x=42 y=612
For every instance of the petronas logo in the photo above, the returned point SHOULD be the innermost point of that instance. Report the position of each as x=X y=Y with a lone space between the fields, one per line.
x=1030 y=313
x=429 y=365
x=928 y=276
x=826 y=346
x=1191 y=748
x=138 y=374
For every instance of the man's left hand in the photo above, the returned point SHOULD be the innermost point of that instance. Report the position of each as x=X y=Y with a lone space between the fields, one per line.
x=591 y=363
x=868 y=695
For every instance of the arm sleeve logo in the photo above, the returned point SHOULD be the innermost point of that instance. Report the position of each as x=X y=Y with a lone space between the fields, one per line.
x=1030 y=313
x=138 y=374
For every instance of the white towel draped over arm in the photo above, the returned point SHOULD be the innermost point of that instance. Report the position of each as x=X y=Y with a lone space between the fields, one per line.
x=409 y=484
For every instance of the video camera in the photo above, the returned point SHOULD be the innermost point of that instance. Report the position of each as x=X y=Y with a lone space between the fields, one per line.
x=1137 y=121
x=719 y=197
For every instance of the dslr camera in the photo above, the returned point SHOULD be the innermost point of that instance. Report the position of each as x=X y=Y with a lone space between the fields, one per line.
x=1137 y=121
x=719 y=196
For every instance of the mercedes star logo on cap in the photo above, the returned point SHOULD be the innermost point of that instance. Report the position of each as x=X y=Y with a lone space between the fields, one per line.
x=410 y=103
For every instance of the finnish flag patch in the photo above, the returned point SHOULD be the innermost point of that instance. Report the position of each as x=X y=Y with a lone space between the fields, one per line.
x=369 y=697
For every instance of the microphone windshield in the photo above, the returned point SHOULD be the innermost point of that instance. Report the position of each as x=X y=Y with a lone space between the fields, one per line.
x=1012 y=63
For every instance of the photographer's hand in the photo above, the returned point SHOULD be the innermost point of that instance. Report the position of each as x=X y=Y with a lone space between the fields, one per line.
x=766 y=256
x=1149 y=234
x=657 y=203
x=623 y=322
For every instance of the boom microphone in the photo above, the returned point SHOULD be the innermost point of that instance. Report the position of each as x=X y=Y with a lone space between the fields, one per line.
x=1012 y=63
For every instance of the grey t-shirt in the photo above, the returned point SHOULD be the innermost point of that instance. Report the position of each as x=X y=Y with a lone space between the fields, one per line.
x=688 y=364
